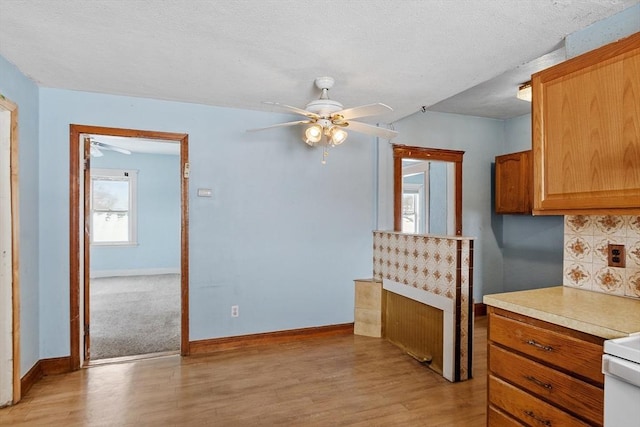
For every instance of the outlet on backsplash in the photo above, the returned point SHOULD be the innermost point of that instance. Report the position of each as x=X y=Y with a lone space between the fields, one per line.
x=602 y=254
x=615 y=255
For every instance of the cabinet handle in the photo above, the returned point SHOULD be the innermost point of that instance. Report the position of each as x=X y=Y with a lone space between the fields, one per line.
x=538 y=382
x=537 y=418
x=540 y=346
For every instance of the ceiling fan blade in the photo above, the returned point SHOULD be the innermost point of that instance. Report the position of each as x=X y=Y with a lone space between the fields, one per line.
x=103 y=146
x=364 y=111
x=299 y=122
x=293 y=109
x=95 y=152
x=371 y=130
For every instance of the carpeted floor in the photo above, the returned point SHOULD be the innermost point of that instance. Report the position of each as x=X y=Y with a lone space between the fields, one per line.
x=134 y=315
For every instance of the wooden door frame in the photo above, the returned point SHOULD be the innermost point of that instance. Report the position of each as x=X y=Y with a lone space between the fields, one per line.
x=6 y=105
x=77 y=197
x=421 y=153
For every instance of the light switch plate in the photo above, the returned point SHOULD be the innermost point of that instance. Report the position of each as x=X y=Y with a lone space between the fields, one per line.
x=204 y=192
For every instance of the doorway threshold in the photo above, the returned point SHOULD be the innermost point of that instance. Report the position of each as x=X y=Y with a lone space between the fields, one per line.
x=126 y=359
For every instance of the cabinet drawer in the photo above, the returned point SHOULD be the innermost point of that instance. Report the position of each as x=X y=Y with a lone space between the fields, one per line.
x=527 y=408
x=563 y=351
x=553 y=386
x=497 y=418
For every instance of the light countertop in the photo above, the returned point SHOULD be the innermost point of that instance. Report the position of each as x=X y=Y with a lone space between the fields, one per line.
x=598 y=314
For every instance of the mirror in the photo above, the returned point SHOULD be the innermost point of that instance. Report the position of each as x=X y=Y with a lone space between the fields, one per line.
x=427 y=190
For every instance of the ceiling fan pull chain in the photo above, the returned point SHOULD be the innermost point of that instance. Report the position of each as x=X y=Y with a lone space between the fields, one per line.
x=325 y=153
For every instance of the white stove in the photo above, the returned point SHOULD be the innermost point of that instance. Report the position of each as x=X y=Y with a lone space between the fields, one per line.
x=621 y=369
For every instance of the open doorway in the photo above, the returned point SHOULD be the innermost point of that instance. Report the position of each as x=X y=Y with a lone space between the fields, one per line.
x=133 y=308
x=126 y=285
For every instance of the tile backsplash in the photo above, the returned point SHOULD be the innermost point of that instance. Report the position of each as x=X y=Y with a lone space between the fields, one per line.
x=586 y=239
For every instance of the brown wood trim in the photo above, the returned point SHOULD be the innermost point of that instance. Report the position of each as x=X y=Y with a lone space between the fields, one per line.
x=397 y=191
x=31 y=377
x=593 y=211
x=408 y=152
x=458 y=190
x=74 y=245
x=15 y=244
x=55 y=365
x=268 y=338
x=441 y=154
x=75 y=198
x=184 y=242
x=480 y=309
x=42 y=368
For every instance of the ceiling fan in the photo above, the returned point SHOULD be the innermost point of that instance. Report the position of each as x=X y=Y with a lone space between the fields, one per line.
x=97 y=146
x=327 y=121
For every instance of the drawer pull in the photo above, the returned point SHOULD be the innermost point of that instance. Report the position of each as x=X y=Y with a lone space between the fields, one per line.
x=537 y=418
x=540 y=346
x=538 y=382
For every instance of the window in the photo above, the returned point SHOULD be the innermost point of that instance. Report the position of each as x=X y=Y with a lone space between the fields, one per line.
x=412 y=216
x=113 y=207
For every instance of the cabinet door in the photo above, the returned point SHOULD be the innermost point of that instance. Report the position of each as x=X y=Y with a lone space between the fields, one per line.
x=514 y=183
x=586 y=132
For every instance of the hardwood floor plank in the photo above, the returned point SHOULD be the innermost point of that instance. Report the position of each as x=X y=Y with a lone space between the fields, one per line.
x=336 y=380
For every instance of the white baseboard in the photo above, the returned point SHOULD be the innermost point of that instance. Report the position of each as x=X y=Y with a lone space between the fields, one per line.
x=95 y=274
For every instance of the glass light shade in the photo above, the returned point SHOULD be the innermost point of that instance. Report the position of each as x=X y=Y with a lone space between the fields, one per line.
x=524 y=92
x=338 y=136
x=313 y=134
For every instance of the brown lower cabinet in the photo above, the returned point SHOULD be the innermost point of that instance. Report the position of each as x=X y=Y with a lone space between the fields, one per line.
x=541 y=374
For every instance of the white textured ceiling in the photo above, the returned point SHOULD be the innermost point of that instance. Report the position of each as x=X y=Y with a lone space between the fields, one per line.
x=404 y=53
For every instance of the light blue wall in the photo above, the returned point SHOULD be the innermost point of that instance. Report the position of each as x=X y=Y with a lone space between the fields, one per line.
x=608 y=30
x=158 y=222
x=24 y=93
x=438 y=212
x=481 y=139
x=532 y=246
x=282 y=237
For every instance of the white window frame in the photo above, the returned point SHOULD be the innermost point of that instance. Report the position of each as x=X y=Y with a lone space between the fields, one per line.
x=131 y=176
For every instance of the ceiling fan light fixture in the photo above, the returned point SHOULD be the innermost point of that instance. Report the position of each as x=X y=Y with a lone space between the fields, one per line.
x=326 y=119
x=313 y=134
x=337 y=135
x=524 y=92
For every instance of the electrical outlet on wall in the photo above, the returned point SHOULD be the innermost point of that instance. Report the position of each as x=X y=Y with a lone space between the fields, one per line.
x=616 y=255
x=235 y=311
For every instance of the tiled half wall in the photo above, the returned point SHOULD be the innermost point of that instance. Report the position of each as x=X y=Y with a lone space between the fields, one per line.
x=439 y=269
x=586 y=239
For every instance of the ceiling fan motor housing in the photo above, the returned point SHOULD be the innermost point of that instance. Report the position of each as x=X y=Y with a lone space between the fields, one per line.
x=324 y=107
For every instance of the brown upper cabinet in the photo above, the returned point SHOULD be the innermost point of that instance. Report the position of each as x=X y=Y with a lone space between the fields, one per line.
x=514 y=183
x=586 y=133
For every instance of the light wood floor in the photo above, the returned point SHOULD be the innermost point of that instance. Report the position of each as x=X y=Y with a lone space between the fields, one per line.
x=341 y=381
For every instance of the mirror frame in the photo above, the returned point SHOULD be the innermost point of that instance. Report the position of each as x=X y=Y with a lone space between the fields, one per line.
x=420 y=153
